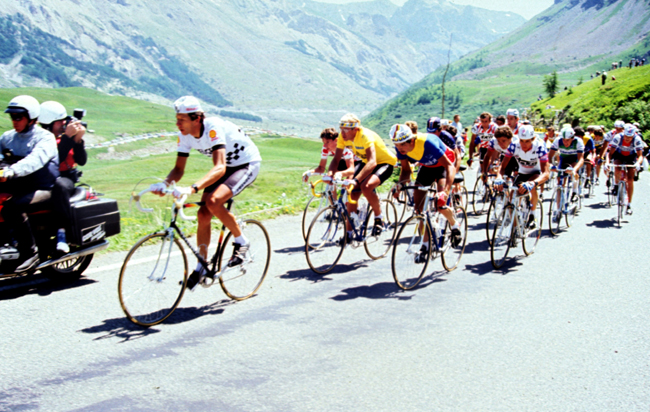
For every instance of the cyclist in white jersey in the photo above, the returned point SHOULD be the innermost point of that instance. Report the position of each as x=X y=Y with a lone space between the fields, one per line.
x=236 y=163
x=532 y=157
x=482 y=132
x=627 y=149
x=497 y=149
x=346 y=164
x=619 y=125
x=512 y=118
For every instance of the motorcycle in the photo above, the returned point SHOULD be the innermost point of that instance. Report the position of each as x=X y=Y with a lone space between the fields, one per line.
x=93 y=220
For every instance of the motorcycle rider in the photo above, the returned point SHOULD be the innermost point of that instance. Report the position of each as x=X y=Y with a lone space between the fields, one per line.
x=33 y=167
x=69 y=134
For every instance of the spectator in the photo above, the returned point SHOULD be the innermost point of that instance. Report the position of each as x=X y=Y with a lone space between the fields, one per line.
x=457 y=124
x=604 y=78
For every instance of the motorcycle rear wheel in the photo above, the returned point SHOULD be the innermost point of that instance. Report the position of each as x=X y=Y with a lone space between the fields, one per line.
x=68 y=270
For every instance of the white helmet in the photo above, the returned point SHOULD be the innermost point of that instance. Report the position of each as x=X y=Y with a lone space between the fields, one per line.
x=24 y=104
x=619 y=124
x=567 y=133
x=187 y=104
x=400 y=133
x=52 y=111
x=513 y=112
x=629 y=130
x=526 y=132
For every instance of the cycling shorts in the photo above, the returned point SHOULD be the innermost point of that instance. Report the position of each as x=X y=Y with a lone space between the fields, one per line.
x=512 y=168
x=428 y=175
x=566 y=161
x=523 y=178
x=481 y=153
x=342 y=166
x=624 y=160
x=382 y=171
x=236 y=178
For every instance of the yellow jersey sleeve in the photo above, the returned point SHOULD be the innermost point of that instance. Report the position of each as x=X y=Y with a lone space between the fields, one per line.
x=368 y=138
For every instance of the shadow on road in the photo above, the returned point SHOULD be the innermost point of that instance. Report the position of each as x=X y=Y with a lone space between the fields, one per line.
x=384 y=290
x=13 y=288
x=598 y=206
x=511 y=264
x=603 y=224
x=124 y=329
x=291 y=250
x=310 y=275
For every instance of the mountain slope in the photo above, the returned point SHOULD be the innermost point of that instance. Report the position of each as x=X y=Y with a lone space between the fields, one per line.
x=289 y=61
x=574 y=37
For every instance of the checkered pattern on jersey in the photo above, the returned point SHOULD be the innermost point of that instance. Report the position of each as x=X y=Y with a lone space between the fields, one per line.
x=234 y=155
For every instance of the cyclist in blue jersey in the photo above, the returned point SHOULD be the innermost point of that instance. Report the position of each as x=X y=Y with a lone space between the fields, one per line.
x=434 y=127
x=437 y=165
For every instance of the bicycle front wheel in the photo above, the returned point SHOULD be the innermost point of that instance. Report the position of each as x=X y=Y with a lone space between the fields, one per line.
x=378 y=246
x=453 y=251
x=411 y=252
x=242 y=281
x=555 y=211
x=533 y=231
x=494 y=211
x=621 y=202
x=502 y=236
x=401 y=204
x=326 y=240
x=480 y=197
x=152 y=279
x=314 y=205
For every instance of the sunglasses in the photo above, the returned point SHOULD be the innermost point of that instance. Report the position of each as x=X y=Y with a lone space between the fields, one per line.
x=16 y=116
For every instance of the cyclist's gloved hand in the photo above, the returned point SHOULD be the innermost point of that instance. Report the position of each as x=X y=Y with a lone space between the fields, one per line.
x=553 y=168
x=6 y=173
x=327 y=179
x=442 y=199
x=528 y=186
x=181 y=191
x=158 y=187
x=305 y=177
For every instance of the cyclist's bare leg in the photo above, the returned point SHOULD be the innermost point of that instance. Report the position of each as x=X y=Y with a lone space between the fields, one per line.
x=352 y=207
x=215 y=202
x=446 y=212
x=367 y=188
x=630 y=183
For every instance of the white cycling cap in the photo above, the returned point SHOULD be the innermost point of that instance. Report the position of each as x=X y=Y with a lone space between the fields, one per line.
x=630 y=130
x=349 y=121
x=187 y=104
x=400 y=133
x=619 y=124
x=526 y=132
x=512 y=112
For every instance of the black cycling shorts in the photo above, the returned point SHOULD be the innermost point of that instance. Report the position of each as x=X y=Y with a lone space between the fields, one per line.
x=428 y=175
x=566 y=161
x=382 y=171
x=522 y=178
x=624 y=160
x=236 y=178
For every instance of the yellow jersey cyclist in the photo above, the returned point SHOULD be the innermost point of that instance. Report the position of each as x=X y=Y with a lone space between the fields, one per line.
x=375 y=167
x=236 y=163
x=571 y=150
x=627 y=149
x=437 y=165
x=532 y=158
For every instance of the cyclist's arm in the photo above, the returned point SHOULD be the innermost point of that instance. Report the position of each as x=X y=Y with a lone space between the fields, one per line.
x=334 y=163
x=405 y=172
x=217 y=171
x=542 y=178
x=579 y=163
x=321 y=166
x=457 y=160
x=504 y=165
x=604 y=149
x=349 y=172
x=371 y=155
x=472 y=145
x=177 y=172
x=487 y=161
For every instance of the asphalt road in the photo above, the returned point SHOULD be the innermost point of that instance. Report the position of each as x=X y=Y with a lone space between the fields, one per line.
x=564 y=329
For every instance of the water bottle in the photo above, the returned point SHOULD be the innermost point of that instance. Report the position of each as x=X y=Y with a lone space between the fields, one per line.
x=355 y=219
x=362 y=216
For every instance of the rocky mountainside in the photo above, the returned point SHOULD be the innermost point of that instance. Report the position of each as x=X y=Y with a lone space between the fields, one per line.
x=291 y=62
x=576 y=38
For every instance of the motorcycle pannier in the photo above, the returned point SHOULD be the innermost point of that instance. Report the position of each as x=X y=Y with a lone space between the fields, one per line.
x=93 y=220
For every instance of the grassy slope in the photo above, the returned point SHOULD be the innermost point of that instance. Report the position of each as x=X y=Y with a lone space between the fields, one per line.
x=594 y=103
x=105 y=114
x=494 y=89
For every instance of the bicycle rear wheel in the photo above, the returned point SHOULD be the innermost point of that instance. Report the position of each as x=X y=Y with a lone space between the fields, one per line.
x=451 y=253
x=534 y=232
x=378 y=246
x=555 y=211
x=502 y=237
x=152 y=279
x=326 y=240
x=314 y=205
x=494 y=211
x=242 y=281
x=407 y=263
x=480 y=197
